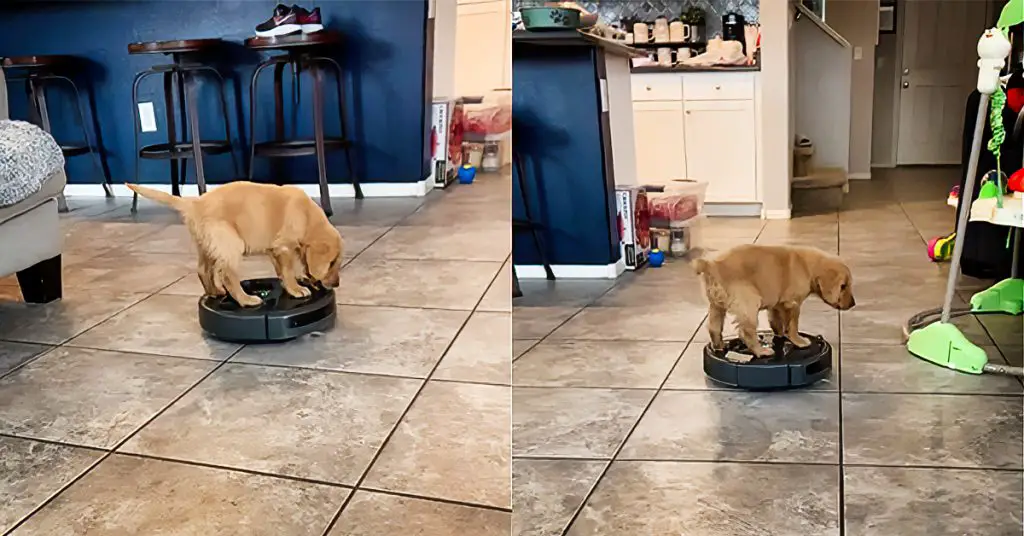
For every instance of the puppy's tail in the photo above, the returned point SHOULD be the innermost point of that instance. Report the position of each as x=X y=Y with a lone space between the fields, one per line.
x=180 y=204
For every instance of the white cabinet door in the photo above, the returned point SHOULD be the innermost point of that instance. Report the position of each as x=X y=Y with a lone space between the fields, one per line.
x=659 y=135
x=482 y=47
x=721 y=149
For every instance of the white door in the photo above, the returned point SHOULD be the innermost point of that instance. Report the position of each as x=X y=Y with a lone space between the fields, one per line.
x=721 y=149
x=483 y=47
x=939 y=71
x=658 y=131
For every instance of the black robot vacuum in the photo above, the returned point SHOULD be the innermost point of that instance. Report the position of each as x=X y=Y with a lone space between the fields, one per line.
x=280 y=318
x=789 y=368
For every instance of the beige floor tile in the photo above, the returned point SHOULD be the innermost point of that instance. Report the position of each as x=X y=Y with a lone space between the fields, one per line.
x=453 y=444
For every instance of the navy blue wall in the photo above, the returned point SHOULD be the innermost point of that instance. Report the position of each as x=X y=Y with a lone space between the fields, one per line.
x=383 y=53
x=556 y=109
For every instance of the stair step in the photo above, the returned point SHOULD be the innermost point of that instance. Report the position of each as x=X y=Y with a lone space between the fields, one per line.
x=821 y=178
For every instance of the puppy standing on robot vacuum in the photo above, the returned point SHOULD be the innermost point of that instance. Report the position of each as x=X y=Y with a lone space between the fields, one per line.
x=750 y=278
x=245 y=218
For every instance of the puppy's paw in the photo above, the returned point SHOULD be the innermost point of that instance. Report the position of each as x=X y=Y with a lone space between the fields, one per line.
x=299 y=292
x=248 y=300
x=761 y=351
x=799 y=341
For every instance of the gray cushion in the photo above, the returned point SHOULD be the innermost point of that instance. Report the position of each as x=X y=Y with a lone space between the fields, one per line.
x=53 y=186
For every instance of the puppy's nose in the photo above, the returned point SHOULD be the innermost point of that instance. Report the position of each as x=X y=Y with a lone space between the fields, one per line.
x=853 y=302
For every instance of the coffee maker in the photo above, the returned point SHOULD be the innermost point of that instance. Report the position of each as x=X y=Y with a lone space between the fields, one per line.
x=733 y=25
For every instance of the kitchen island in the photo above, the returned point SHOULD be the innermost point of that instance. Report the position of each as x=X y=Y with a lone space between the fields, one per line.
x=573 y=131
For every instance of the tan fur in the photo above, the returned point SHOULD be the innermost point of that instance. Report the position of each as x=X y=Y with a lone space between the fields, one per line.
x=750 y=278
x=245 y=218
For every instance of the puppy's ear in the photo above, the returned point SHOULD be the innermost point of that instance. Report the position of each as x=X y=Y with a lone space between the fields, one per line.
x=314 y=253
x=825 y=279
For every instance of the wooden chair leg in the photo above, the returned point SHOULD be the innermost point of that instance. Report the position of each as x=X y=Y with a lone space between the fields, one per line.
x=41 y=282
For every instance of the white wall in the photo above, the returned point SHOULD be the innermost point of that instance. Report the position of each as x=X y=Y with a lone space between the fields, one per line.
x=857 y=22
x=823 y=99
x=445 y=13
x=775 y=133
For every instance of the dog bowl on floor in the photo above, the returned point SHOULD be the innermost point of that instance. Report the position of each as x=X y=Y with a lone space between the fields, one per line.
x=789 y=368
x=279 y=318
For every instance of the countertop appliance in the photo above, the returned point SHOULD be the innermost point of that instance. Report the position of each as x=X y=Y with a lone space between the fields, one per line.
x=733 y=25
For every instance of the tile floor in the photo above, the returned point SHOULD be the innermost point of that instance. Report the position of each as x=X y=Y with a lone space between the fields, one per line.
x=617 y=432
x=117 y=416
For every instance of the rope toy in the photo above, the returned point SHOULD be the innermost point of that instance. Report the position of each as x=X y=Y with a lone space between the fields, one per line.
x=995 y=144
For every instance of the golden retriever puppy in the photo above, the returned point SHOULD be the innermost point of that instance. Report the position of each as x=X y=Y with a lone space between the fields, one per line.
x=751 y=278
x=245 y=218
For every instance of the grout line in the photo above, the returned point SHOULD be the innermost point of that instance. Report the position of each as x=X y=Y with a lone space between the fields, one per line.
x=566 y=321
x=839 y=387
x=618 y=449
x=116 y=446
x=773 y=462
x=435 y=499
x=398 y=422
x=53 y=442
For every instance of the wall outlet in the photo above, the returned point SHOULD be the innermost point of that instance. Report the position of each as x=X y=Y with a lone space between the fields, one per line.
x=147 y=118
x=858 y=53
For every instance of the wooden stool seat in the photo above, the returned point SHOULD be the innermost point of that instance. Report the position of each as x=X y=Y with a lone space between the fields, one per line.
x=177 y=46
x=39 y=61
x=285 y=42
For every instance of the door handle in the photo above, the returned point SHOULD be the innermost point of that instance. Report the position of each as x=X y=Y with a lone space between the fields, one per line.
x=906 y=72
x=906 y=84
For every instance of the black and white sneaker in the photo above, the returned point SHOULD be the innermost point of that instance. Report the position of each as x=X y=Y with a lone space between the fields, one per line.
x=284 y=21
x=309 y=21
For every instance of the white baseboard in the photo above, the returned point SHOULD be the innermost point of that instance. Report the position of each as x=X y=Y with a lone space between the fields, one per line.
x=732 y=209
x=859 y=176
x=572 y=271
x=778 y=214
x=372 y=189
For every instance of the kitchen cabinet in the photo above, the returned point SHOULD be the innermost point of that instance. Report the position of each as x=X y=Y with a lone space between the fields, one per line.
x=483 y=52
x=699 y=126
x=721 y=148
x=659 y=154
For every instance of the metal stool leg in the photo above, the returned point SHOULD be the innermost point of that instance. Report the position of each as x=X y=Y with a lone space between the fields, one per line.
x=253 y=85
x=182 y=163
x=548 y=272
x=193 y=123
x=172 y=130
x=37 y=95
x=344 y=125
x=221 y=88
x=138 y=128
x=318 y=132
x=94 y=149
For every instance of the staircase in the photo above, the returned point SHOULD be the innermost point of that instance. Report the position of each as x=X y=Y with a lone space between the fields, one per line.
x=816 y=189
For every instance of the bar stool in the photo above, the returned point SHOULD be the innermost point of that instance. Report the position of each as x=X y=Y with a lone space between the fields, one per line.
x=40 y=72
x=182 y=74
x=301 y=51
x=527 y=224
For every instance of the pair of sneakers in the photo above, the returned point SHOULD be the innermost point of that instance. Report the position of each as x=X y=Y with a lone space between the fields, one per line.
x=289 y=20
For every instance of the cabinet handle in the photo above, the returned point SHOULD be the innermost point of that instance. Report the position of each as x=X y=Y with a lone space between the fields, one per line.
x=687 y=112
x=718 y=88
x=648 y=88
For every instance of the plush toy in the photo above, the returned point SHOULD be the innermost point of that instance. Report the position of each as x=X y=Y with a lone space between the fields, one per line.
x=993 y=48
x=1016 y=181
